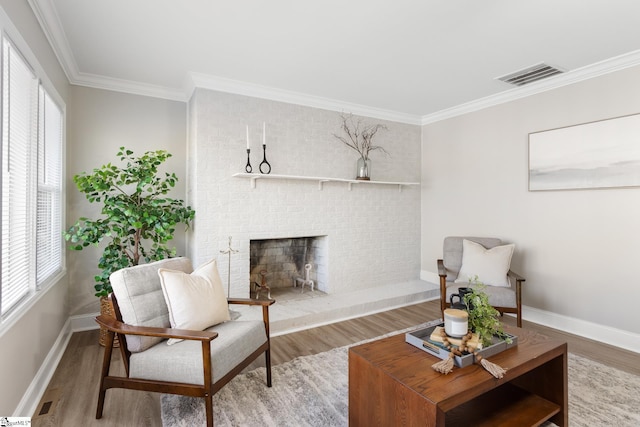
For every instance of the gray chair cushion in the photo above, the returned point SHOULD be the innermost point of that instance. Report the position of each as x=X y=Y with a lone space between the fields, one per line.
x=452 y=252
x=182 y=362
x=498 y=296
x=141 y=300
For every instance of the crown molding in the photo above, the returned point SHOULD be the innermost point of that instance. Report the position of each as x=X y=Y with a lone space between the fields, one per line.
x=580 y=74
x=204 y=81
x=49 y=21
x=129 y=86
x=47 y=15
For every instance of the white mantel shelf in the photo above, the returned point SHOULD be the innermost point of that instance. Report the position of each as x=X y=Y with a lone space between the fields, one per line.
x=321 y=180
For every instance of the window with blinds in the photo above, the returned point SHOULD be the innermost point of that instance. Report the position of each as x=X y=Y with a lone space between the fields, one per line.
x=32 y=141
x=49 y=199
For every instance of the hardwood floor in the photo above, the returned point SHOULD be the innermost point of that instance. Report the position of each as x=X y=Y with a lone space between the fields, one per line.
x=73 y=389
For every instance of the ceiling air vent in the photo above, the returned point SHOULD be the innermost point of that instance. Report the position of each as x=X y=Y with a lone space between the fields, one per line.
x=530 y=74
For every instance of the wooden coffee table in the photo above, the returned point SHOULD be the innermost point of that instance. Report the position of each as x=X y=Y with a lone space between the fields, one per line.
x=391 y=383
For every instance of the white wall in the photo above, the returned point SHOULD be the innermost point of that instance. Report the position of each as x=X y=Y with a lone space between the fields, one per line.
x=372 y=230
x=32 y=332
x=577 y=249
x=99 y=123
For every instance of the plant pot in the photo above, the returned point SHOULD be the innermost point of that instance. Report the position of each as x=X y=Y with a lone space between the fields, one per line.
x=363 y=169
x=106 y=309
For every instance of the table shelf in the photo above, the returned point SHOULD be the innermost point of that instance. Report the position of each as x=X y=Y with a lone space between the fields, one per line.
x=320 y=180
x=505 y=406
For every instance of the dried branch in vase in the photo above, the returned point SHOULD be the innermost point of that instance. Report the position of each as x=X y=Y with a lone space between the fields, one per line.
x=359 y=135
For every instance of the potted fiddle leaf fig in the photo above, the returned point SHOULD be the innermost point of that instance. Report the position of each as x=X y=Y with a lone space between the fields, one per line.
x=138 y=221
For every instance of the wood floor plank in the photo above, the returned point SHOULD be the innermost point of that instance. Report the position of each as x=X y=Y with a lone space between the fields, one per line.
x=77 y=376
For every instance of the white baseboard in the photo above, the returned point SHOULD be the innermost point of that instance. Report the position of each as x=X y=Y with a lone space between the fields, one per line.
x=602 y=333
x=605 y=334
x=29 y=402
x=84 y=322
x=38 y=386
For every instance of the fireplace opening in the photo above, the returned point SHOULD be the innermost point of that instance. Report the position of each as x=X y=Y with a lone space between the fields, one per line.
x=280 y=264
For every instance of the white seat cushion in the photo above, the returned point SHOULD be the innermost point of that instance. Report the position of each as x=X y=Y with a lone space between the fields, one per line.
x=182 y=362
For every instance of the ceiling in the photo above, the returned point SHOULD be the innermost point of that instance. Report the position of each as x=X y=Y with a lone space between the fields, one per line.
x=406 y=60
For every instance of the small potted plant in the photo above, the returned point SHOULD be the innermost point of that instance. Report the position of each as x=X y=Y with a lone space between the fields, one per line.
x=484 y=320
x=138 y=219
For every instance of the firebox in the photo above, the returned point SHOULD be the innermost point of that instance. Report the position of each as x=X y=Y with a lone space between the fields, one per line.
x=282 y=260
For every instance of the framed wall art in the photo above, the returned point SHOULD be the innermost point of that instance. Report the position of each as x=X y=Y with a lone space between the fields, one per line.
x=602 y=154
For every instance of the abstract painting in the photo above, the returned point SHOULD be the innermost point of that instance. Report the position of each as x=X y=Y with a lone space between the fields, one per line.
x=602 y=154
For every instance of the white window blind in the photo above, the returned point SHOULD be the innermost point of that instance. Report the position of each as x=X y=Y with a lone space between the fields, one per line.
x=32 y=136
x=49 y=212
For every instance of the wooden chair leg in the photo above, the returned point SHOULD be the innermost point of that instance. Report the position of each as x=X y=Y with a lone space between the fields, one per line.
x=208 y=377
x=101 y=396
x=106 y=363
x=208 y=405
x=267 y=359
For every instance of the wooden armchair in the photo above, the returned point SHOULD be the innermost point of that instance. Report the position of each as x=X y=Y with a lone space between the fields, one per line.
x=199 y=366
x=504 y=299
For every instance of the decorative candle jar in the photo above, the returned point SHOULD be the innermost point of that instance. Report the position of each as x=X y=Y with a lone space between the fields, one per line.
x=456 y=322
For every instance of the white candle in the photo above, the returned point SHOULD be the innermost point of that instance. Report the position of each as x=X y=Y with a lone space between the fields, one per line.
x=264 y=133
x=247 y=137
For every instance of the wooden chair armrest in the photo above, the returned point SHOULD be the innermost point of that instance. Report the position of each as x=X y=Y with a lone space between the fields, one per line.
x=442 y=271
x=515 y=276
x=122 y=328
x=259 y=302
x=249 y=301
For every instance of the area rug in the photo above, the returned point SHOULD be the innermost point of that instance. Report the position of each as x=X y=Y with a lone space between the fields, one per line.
x=313 y=391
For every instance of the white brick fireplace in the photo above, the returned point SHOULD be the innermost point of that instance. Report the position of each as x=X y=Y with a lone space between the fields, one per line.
x=372 y=231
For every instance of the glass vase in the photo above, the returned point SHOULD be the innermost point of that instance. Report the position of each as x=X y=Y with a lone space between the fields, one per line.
x=363 y=170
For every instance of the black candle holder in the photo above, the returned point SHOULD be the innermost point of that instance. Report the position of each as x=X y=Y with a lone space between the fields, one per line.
x=248 y=168
x=264 y=162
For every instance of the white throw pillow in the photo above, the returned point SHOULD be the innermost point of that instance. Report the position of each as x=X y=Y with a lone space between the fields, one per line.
x=490 y=265
x=196 y=301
